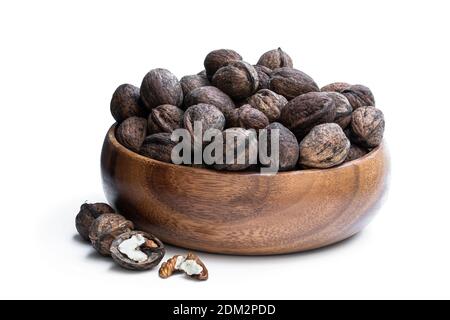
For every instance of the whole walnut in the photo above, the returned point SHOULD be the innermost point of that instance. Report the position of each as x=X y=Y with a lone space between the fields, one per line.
x=165 y=118
x=105 y=229
x=132 y=132
x=355 y=152
x=238 y=79
x=343 y=109
x=359 y=96
x=274 y=59
x=191 y=82
x=264 y=75
x=336 y=87
x=325 y=146
x=87 y=215
x=217 y=59
x=303 y=113
x=249 y=118
x=158 y=146
x=287 y=144
x=268 y=102
x=291 y=83
x=125 y=103
x=367 y=126
x=207 y=115
x=159 y=87
x=239 y=143
x=211 y=95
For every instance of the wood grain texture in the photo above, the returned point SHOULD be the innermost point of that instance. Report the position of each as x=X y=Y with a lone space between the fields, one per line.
x=243 y=213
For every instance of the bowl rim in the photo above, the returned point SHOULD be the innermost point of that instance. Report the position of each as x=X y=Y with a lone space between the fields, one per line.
x=111 y=136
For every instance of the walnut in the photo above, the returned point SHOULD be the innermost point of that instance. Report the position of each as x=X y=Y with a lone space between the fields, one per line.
x=87 y=215
x=288 y=146
x=274 y=59
x=158 y=146
x=105 y=229
x=165 y=118
x=355 y=152
x=217 y=59
x=324 y=147
x=301 y=114
x=159 y=87
x=211 y=95
x=240 y=144
x=335 y=87
x=189 y=83
x=367 y=126
x=238 y=79
x=343 y=109
x=264 y=74
x=125 y=103
x=359 y=96
x=131 y=133
x=268 y=102
x=209 y=116
x=291 y=83
x=249 y=118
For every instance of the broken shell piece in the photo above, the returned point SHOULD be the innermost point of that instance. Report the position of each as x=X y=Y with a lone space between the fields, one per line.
x=137 y=250
x=191 y=265
x=201 y=275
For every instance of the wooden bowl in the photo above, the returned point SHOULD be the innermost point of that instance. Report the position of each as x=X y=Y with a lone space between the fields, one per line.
x=243 y=213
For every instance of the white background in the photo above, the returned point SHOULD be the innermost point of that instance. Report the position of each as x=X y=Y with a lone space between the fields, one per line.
x=60 y=62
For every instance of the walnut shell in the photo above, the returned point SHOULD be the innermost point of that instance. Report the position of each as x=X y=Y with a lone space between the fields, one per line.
x=367 y=126
x=287 y=144
x=204 y=274
x=355 y=152
x=336 y=87
x=191 y=82
x=264 y=75
x=291 y=83
x=131 y=133
x=217 y=59
x=211 y=95
x=155 y=251
x=343 y=109
x=158 y=146
x=105 y=229
x=269 y=103
x=235 y=140
x=238 y=79
x=159 y=87
x=359 y=96
x=208 y=115
x=325 y=146
x=165 y=118
x=250 y=118
x=125 y=103
x=274 y=59
x=301 y=114
x=87 y=215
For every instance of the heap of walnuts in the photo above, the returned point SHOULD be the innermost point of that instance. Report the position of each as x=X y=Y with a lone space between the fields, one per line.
x=318 y=127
